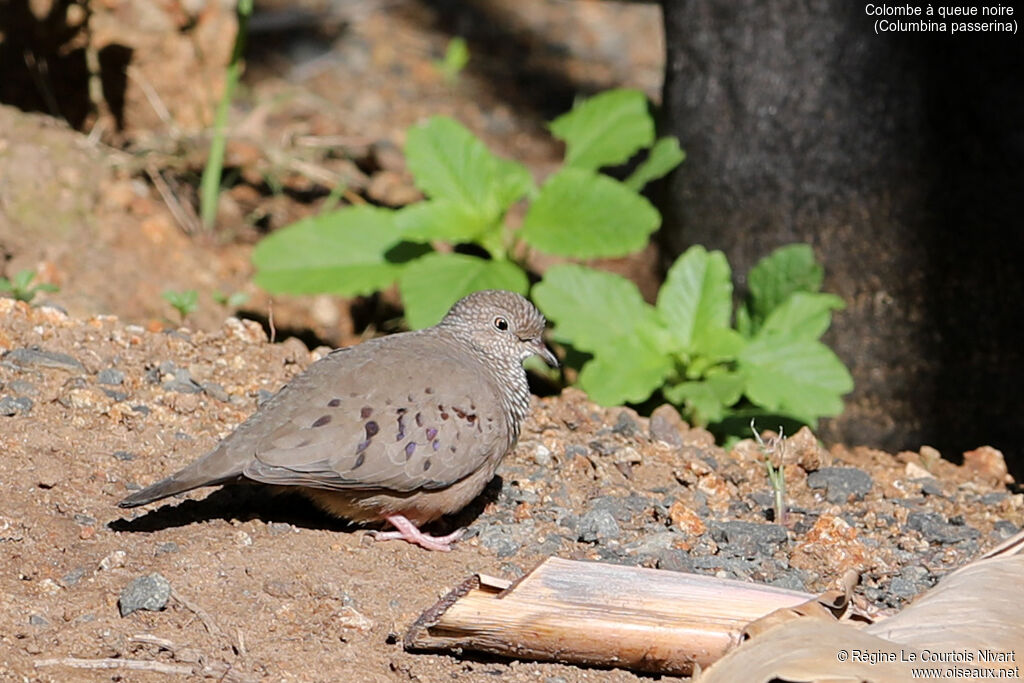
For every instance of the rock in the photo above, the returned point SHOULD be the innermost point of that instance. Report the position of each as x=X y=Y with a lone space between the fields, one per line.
x=123 y=455
x=542 y=456
x=935 y=528
x=667 y=426
x=11 y=405
x=111 y=376
x=72 y=577
x=215 y=390
x=500 y=540
x=598 y=525
x=165 y=548
x=747 y=539
x=35 y=357
x=182 y=382
x=803 y=447
x=841 y=483
x=1004 y=529
x=114 y=560
x=986 y=464
x=626 y=424
x=146 y=592
x=22 y=387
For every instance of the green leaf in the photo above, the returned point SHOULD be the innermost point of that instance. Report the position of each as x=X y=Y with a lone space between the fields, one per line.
x=788 y=269
x=441 y=219
x=588 y=215
x=707 y=400
x=797 y=377
x=449 y=162
x=802 y=316
x=23 y=278
x=664 y=156
x=696 y=296
x=513 y=181
x=628 y=370
x=352 y=251
x=594 y=310
x=718 y=344
x=605 y=130
x=430 y=285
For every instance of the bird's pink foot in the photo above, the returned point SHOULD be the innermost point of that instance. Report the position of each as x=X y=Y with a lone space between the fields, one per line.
x=407 y=531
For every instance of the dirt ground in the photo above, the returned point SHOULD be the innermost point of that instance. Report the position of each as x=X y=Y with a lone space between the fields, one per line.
x=93 y=406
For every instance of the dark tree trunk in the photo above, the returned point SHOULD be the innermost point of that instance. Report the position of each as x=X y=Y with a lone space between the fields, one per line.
x=900 y=158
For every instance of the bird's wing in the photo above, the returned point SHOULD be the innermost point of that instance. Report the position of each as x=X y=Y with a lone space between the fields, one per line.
x=400 y=416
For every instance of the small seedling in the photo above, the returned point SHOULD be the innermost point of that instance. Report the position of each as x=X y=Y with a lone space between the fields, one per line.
x=230 y=300
x=456 y=56
x=775 y=445
x=211 y=181
x=22 y=288
x=183 y=302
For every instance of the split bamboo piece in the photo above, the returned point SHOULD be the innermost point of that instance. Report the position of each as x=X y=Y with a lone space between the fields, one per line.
x=599 y=614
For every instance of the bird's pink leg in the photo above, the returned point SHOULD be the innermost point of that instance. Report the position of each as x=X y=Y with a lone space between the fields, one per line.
x=407 y=531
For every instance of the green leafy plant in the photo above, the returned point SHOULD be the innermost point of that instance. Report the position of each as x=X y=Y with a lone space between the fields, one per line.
x=183 y=302
x=456 y=57
x=210 y=183
x=459 y=239
x=771 y=363
x=21 y=286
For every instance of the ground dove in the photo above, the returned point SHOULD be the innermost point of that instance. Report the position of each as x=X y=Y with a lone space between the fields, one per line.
x=403 y=428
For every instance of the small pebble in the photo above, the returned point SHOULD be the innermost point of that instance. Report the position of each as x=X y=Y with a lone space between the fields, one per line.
x=72 y=577
x=840 y=483
x=626 y=425
x=111 y=376
x=666 y=425
x=114 y=560
x=598 y=525
x=934 y=528
x=116 y=395
x=747 y=539
x=38 y=620
x=165 y=548
x=22 y=388
x=542 y=456
x=10 y=405
x=500 y=540
x=216 y=391
x=146 y=592
x=182 y=382
x=1004 y=529
x=124 y=455
x=37 y=358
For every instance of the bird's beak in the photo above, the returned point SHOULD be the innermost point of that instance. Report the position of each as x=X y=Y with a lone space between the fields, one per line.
x=543 y=351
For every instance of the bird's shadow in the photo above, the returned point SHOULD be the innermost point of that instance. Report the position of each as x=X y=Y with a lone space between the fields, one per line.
x=244 y=502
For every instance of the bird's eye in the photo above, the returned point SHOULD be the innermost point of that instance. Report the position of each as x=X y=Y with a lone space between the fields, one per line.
x=501 y=324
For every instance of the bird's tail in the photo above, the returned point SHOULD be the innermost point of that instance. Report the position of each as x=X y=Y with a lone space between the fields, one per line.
x=207 y=471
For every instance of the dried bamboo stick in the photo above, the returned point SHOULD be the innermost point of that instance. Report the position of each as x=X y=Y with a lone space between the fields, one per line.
x=599 y=614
